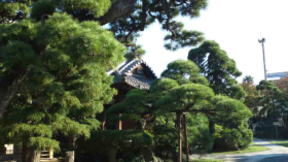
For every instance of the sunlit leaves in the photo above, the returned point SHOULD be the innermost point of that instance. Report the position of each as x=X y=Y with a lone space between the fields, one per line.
x=185 y=98
x=184 y=72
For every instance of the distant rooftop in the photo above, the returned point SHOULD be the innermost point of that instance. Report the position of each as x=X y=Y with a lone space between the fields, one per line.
x=277 y=75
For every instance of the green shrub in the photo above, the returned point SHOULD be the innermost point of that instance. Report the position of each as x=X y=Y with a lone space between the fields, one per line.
x=232 y=139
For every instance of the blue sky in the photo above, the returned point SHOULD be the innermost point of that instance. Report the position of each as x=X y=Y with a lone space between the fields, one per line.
x=236 y=25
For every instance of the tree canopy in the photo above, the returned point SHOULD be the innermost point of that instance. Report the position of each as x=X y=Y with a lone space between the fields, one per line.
x=63 y=65
x=184 y=72
x=218 y=68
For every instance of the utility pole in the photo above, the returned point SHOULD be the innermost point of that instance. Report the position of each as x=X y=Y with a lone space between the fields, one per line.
x=262 y=41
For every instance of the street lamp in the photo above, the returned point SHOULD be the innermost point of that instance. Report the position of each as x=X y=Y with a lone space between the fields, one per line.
x=262 y=41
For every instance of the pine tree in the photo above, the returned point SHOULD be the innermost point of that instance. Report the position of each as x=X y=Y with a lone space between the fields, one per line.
x=65 y=85
x=218 y=68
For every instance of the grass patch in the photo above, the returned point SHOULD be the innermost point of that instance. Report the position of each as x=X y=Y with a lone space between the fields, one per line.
x=281 y=143
x=251 y=148
x=206 y=160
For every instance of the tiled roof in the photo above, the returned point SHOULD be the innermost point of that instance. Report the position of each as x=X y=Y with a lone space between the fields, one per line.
x=124 y=73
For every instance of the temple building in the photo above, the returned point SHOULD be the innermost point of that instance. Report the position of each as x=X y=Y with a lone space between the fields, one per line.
x=132 y=74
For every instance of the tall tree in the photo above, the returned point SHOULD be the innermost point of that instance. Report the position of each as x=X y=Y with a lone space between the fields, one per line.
x=40 y=11
x=218 y=68
x=66 y=84
x=184 y=72
x=189 y=97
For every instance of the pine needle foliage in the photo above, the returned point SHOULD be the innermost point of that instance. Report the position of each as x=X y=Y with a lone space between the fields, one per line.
x=66 y=84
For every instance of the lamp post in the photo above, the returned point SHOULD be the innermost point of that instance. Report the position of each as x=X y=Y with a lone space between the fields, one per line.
x=262 y=41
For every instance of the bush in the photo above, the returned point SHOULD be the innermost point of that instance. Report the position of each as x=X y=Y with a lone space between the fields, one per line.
x=232 y=139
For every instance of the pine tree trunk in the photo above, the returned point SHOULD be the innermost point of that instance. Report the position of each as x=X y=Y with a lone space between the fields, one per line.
x=186 y=137
x=70 y=156
x=7 y=92
x=29 y=155
x=211 y=126
x=24 y=152
x=179 y=116
x=34 y=156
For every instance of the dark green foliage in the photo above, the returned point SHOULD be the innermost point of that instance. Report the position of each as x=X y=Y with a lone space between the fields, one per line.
x=17 y=56
x=134 y=138
x=41 y=9
x=128 y=143
x=218 y=68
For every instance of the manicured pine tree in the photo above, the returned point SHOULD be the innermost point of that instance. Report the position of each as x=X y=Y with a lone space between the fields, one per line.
x=231 y=123
x=186 y=73
x=65 y=83
x=189 y=97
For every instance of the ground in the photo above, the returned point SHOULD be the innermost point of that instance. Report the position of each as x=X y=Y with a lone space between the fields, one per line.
x=276 y=153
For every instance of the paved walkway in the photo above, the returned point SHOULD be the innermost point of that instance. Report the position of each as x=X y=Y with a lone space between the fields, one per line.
x=276 y=153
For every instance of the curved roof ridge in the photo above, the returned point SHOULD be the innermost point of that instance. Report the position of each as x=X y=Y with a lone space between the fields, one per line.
x=124 y=67
x=128 y=66
x=144 y=62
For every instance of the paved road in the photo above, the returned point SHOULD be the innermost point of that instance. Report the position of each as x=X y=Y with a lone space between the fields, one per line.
x=276 y=153
x=276 y=159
